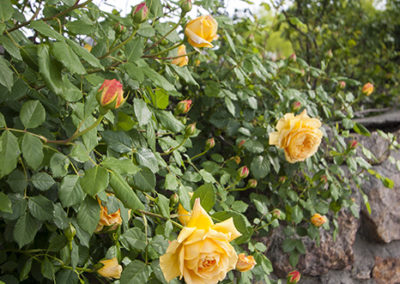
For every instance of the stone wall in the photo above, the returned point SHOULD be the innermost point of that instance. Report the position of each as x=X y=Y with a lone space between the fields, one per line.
x=367 y=250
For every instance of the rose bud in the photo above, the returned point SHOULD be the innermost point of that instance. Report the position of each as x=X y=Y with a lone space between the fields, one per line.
x=70 y=232
x=276 y=213
x=282 y=179
x=317 y=220
x=210 y=143
x=293 y=57
x=293 y=277
x=329 y=54
x=245 y=263
x=140 y=13
x=190 y=130
x=367 y=89
x=296 y=106
x=186 y=6
x=183 y=107
x=324 y=179
x=119 y=29
x=241 y=143
x=342 y=85
x=237 y=159
x=110 y=269
x=353 y=144
x=110 y=95
x=243 y=172
x=252 y=183
x=174 y=199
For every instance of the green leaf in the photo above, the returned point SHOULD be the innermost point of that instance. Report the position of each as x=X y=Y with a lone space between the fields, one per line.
x=124 y=192
x=59 y=164
x=32 y=150
x=66 y=276
x=160 y=98
x=185 y=74
x=145 y=157
x=60 y=217
x=297 y=214
x=144 y=180
x=46 y=30
x=79 y=152
x=136 y=272
x=63 y=53
x=41 y=208
x=206 y=194
x=32 y=114
x=169 y=121
x=121 y=166
x=118 y=141
x=6 y=75
x=163 y=205
x=259 y=167
x=289 y=245
x=84 y=54
x=47 y=268
x=42 y=181
x=70 y=192
x=143 y=114
x=171 y=182
x=184 y=198
x=158 y=79
x=50 y=69
x=146 y=30
x=8 y=45
x=134 y=49
x=2 y=120
x=133 y=239
x=80 y=27
x=25 y=270
x=9 y=153
x=360 y=129
x=5 y=203
x=25 y=229
x=88 y=214
x=95 y=180
x=6 y=10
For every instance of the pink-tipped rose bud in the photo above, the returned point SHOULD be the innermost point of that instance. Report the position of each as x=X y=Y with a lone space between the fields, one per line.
x=293 y=277
x=190 y=130
x=210 y=143
x=342 y=85
x=186 y=5
x=183 y=107
x=324 y=179
x=282 y=179
x=317 y=220
x=243 y=172
x=119 y=28
x=296 y=106
x=110 y=95
x=353 y=144
x=140 y=13
x=241 y=143
x=293 y=57
x=245 y=263
x=276 y=213
x=252 y=183
x=367 y=89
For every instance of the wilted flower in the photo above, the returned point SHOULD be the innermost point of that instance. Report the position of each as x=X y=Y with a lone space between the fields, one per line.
x=111 y=220
x=245 y=263
x=110 y=269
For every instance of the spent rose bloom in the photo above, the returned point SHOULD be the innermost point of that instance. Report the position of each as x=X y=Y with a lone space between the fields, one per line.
x=202 y=31
x=112 y=220
x=110 y=95
x=183 y=60
x=110 y=269
x=317 y=220
x=299 y=136
x=245 y=263
x=202 y=253
x=367 y=89
x=293 y=277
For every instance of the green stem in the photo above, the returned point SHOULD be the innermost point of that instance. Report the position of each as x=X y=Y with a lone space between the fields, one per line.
x=119 y=45
x=161 y=217
x=238 y=189
x=199 y=155
x=165 y=50
x=173 y=149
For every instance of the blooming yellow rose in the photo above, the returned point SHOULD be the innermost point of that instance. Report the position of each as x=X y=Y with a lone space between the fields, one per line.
x=110 y=269
x=202 y=253
x=317 y=220
x=202 y=31
x=245 y=263
x=181 y=61
x=112 y=220
x=299 y=136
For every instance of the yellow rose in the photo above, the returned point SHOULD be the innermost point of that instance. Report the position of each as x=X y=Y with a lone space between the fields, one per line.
x=202 y=253
x=299 y=136
x=202 y=31
x=112 y=220
x=181 y=61
x=367 y=89
x=110 y=269
x=245 y=263
x=317 y=220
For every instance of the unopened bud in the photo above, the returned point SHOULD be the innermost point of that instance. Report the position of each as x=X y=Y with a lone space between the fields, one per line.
x=367 y=89
x=317 y=220
x=183 y=107
x=324 y=179
x=353 y=144
x=342 y=85
x=245 y=263
x=186 y=5
x=241 y=143
x=110 y=95
x=174 y=199
x=190 y=130
x=329 y=54
x=276 y=213
x=293 y=277
x=70 y=232
x=210 y=143
x=243 y=172
x=282 y=179
x=140 y=13
x=296 y=106
x=119 y=28
x=252 y=183
x=237 y=159
x=293 y=57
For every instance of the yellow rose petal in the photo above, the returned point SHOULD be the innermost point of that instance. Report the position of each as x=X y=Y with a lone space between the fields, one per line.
x=228 y=227
x=199 y=218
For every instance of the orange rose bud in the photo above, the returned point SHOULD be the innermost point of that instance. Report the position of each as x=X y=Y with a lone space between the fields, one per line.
x=183 y=107
x=293 y=277
x=293 y=57
x=367 y=89
x=245 y=263
x=296 y=106
x=190 y=130
x=353 y=144
x=243 y=172
x=110 y=95
x=110 y=269
x=317 y=220
x=252 y=183
x=210 y=143
x=342 y=84
x=140 y=13
x=241 y=143
x=237 y=159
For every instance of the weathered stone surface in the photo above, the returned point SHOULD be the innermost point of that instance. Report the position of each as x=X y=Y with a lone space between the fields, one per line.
x=384 y=223
x=386 y=270
x=317 y=260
